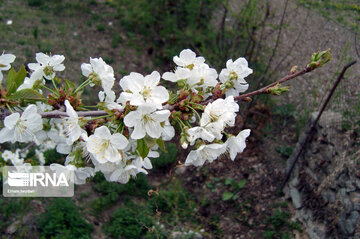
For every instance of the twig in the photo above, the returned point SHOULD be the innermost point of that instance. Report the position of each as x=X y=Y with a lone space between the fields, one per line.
x=313 y=125
x=286 y=78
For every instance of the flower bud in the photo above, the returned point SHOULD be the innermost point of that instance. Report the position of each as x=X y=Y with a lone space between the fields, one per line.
x=184 y=94
x=183 y=141
x=293 y=70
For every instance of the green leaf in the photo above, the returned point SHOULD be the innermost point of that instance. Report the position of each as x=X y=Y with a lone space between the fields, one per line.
x=229 y=181
x=27 y=94
x=142 y=148
x=227 y=195
x=15 y=79
x=241 y=184
x=161 y=144
x=69 y=85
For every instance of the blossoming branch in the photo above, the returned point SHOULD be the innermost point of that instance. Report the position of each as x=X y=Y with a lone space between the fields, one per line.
x=121 y=137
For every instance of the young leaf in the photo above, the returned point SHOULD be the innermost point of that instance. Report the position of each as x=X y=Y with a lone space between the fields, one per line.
x=241 y=184
x=69 y=85
x=161 y=144
x=229 y=181
x=227 y=195
x=142 y=148
x=15 y=79
x=27 y=94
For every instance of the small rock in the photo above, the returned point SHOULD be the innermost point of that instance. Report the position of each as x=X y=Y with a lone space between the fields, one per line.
x=312 y=174
x=180 y=170
x=355 y=197
x=357 y=182
x=350 y=186
x=349 y=227
x=295 y=181
x=329 y=196
x=176 y=234
x=342 y=179
x=296 y=198
x=354 y=216
x=13 y=227
x=342 y=193
x=347 y=205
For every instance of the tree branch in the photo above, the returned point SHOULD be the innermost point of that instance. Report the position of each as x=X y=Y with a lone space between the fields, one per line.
x=59 y=113
x=286 y=78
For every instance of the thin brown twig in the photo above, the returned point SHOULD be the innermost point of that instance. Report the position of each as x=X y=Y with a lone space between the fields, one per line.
x=263 y=90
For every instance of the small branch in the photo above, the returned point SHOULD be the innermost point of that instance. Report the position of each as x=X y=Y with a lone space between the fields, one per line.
x=59 y=114
x=313 y=125
x=286 y=78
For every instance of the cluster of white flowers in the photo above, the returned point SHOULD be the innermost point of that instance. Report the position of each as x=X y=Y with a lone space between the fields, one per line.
x=138 y=122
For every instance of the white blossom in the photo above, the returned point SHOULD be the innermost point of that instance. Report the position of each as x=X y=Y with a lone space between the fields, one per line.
x=195 y=133
x=168 y=131
x=106 y=147
x=5 y=61
x=56 y=134
x=203 y=77
x=99 y=72
x=236 y=144
x=108 y=98
x=146 y=120
x=179 y=74
x=235 y=72
x=21 y=128
x=28 y=83
x=14 y=158
x=140 y=90
x=40 y=156
x=81 y=174
x=204 y=153
x=46 y=66
x=222 y=111
x=72 y=129
x=122 y=175
x=188 y=59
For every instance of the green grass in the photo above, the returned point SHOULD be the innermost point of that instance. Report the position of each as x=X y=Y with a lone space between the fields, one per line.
x=62 y=220
x=111 y=192
x=345 y=12
x=279 y=226
x=166 y=159
x=11 y=209
x=172 y=207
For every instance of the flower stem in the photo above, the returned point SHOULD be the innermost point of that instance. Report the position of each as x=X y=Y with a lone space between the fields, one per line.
x=84 y=84
x=54 y=92
x=54 y=84
x=121 y=125
x=197 y=114
x=9 y=108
